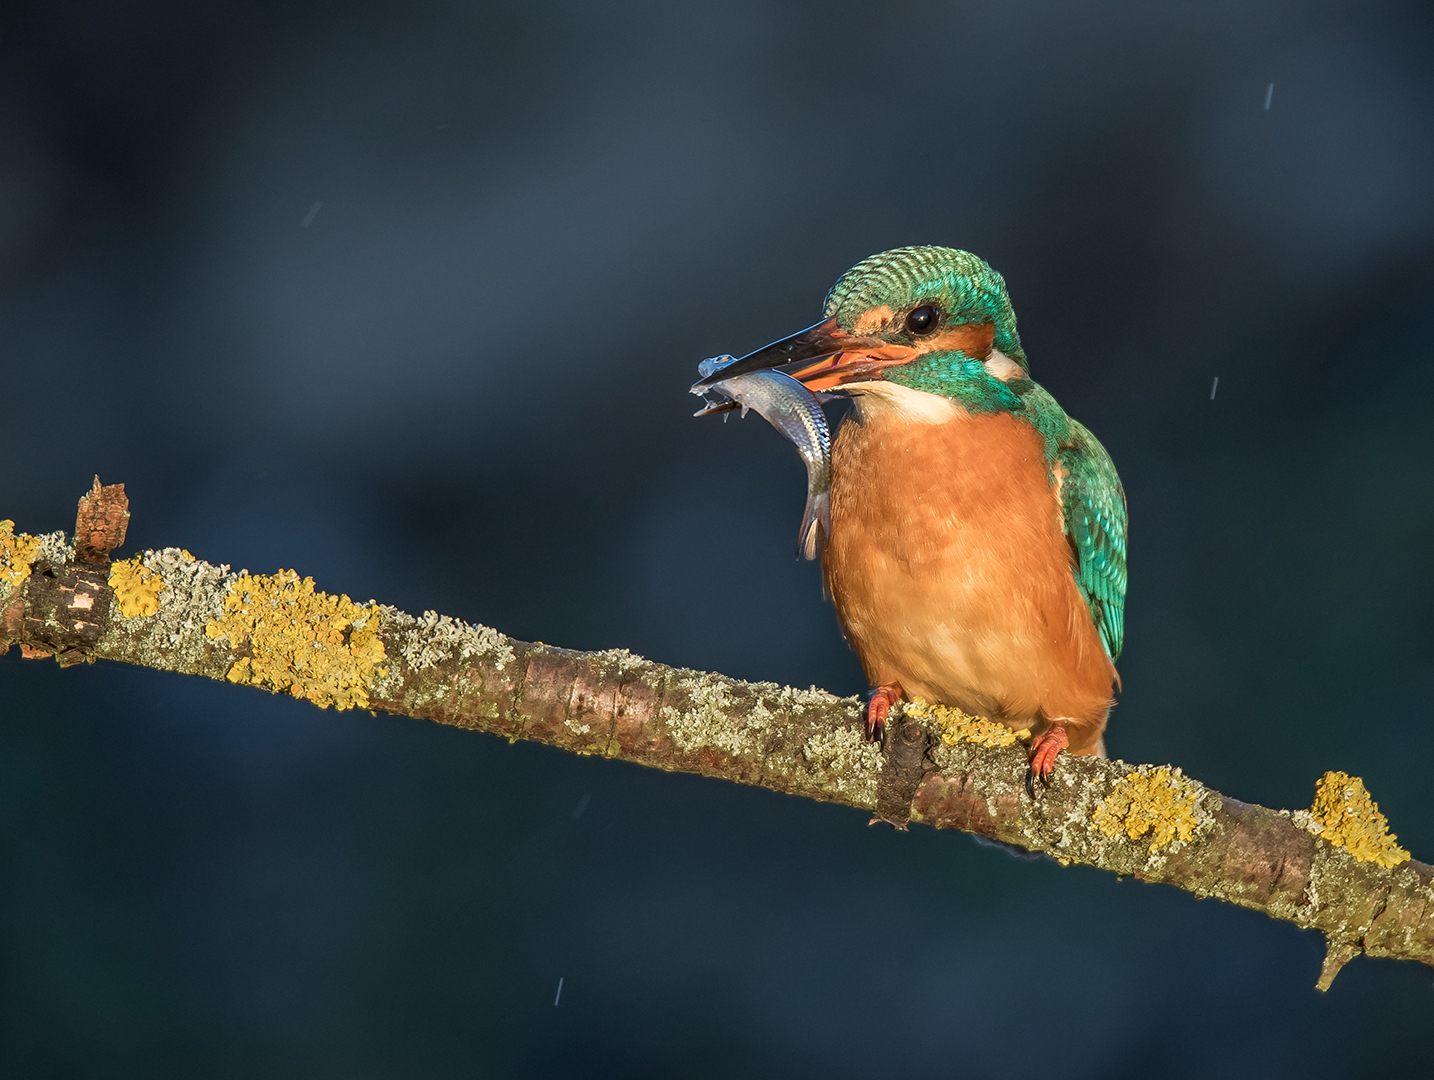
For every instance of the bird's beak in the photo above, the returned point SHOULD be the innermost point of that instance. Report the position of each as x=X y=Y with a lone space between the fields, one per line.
x=823 y=357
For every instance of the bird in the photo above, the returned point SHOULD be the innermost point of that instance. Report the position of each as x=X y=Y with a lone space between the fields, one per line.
x=977 y=549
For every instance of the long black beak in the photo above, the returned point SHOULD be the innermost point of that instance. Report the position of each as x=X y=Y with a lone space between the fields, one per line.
x=823 y=357
x=822 y=339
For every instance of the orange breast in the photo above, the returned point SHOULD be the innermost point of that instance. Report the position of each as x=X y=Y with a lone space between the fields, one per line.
x=951 y=573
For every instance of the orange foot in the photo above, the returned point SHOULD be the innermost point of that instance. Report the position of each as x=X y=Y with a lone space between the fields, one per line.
x=878 y=703
x=1043 y=755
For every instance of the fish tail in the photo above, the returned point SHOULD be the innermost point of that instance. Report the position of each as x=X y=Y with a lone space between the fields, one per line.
x=816 y=527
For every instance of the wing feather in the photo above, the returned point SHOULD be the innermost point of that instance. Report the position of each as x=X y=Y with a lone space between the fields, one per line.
x=1095 y=519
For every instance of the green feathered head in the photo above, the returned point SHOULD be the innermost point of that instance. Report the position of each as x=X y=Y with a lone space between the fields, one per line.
x=961 y=287
x=933 y=319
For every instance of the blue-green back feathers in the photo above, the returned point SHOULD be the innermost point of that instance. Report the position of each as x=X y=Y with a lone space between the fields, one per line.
x=1094 y=506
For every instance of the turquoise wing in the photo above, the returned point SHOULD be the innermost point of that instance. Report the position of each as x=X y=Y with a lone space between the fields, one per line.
x=1094 y=505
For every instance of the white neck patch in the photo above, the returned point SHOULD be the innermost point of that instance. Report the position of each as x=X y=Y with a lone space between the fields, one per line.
x=878 y=400
x=1003 y=367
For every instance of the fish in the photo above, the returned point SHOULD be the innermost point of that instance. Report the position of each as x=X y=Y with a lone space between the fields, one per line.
x=796 y=412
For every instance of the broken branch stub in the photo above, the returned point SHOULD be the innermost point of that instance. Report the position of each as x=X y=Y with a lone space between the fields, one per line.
x=100 y=523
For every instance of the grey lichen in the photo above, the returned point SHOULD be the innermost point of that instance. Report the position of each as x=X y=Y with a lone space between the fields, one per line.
x=432 y=639
x=192 y=595
x=19 y=551
x=609 y=662
x=1331 y=874
x=701 y=712
x=576 y=726
x=994 y=776
x=53 y=548
x=1101 y=813
x=1070 y=830
x=620 y=665
x=798 y=700
x=705 y=719
x=849 y=765
x=1335 y=876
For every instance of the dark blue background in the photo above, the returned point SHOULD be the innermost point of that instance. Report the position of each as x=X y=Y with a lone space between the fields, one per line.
x=462 y=386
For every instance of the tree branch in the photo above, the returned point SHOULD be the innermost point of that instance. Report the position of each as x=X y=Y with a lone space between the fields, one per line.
x=1334 y=869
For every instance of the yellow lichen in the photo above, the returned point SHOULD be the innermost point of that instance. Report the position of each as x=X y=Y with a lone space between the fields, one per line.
x=303 y=642
x=957 y=726
x=1146 y=800
x=17 y=551
x=136 y=588
x=1347 y=817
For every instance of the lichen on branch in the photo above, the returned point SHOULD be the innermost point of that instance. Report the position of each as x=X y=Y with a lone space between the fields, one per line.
x=136 y=588
x=1335 y=868
x=1159 y=801
x=1344 y=814
x=299 y=640
x=958 y=727
x=20 y=552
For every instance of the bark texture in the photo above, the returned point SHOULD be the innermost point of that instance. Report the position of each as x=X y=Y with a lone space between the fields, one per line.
x=170 y=611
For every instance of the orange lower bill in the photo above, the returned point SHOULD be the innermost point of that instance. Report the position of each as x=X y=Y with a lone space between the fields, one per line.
x=851 y=365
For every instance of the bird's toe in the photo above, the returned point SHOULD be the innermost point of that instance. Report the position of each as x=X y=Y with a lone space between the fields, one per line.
x=878 y=704
x=1043 y=756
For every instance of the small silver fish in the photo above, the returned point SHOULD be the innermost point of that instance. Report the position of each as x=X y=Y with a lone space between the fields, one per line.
x=794 y=411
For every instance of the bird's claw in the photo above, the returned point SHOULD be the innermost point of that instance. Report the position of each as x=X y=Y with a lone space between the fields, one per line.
x=878 y=703
x=1043 y=756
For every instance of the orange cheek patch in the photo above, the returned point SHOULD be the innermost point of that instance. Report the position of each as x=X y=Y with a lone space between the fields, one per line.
x=973 y=339
x=872 y=321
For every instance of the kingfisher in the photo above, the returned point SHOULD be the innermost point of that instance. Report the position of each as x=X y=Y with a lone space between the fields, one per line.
x=976 y=555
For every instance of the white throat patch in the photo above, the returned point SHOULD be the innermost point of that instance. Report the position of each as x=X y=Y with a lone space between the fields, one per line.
x=877 y=400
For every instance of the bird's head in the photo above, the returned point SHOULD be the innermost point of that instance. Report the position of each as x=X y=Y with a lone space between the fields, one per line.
x=931 y=319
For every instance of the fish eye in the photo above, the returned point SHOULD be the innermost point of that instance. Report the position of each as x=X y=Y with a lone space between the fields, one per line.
x=922 y=320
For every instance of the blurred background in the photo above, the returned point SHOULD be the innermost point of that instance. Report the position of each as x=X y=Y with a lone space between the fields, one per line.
x=408 y=297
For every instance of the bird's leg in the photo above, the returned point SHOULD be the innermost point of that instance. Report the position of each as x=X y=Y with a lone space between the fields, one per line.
x=1043 y=755
x=878 y=703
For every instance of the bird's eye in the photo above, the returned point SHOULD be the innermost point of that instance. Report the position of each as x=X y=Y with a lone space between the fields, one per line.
x=922 y=320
